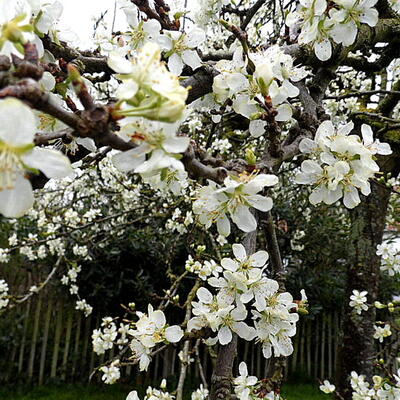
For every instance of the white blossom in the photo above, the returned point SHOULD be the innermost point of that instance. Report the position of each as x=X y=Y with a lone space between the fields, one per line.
x=327 y=387
x=358 y=301
x=215 y=203
x=181 y=49
x=111 y=373
x=149 y=90
x=382 y=332
x=342 y=164
x=17 y=152
x=4 y=300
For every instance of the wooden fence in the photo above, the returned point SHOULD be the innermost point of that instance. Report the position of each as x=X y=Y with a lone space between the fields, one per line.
x=47 y=341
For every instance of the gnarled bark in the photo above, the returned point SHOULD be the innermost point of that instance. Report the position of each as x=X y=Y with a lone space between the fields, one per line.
x=357 y=349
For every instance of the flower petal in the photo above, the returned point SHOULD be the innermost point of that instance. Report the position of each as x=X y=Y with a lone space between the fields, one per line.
x=259 y=258
x=257 y=128
x=129 y=160
x=174 y=334
x=224 y=335
x=239 y=251
x=119 y=63
x=17 y=201
x=51 y=162
x=244 y=219
x=17 y=123
x=191 y=58
x=323 y=50
x=204 y=295
x=176 y=144
x=259 y=202
x=224 y=226
x=175 y=64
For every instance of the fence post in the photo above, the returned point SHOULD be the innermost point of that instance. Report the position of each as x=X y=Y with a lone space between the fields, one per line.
x=308 y=344
x=34 y=337
x=323 y=348
x=57 y=338
x=330 y=339
x=25 y=331
x=44 y=343
x=67 y=344
x=77 y=342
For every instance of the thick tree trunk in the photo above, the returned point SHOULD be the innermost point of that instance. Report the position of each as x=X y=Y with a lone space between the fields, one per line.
x=221 y=381
x=357 y=347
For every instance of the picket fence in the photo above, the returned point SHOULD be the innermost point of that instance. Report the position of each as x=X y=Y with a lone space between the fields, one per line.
x=48 y=341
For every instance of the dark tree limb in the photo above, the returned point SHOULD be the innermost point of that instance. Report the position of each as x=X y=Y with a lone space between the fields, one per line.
x=200 y=83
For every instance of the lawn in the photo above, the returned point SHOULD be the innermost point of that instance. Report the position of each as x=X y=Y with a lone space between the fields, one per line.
x=76 y=392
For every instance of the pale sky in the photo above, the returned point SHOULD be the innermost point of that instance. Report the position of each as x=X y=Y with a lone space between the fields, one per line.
x=78 y=17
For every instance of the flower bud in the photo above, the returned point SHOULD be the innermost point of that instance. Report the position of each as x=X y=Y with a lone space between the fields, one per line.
x=379 y=305
x=264 y=76
x=302 y=310
x=201 y=248
x=251 y=157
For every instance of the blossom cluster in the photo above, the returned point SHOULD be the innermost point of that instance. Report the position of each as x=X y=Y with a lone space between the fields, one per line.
x=156 y=156
x=382 y=332
x=103 y=338
x=243 y=282
x=162 y=394
x=358 y=301
x=178 y=222
x=82 y=305
x=142 y=336
x=253 y=94
x=71 y=214
x=327 y=387
x=208 y=11
x=200 y=394
x=3 y=294
x=149 y=330
x=381 y=389
x=214 y=203
x=27 y=20
x=19 y=154
x=247 y=387
x=342 y=164
x=203 y=270
x=180 y=48
x=390 y=258
x=148 y=90
x=111 y=373
x=339 y=21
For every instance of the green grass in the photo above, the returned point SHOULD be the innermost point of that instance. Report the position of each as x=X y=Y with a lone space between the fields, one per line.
x=116 y=392
x=66 y=392
x=303 y=392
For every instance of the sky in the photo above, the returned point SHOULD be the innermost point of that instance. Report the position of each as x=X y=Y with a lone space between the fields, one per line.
x=78 y=17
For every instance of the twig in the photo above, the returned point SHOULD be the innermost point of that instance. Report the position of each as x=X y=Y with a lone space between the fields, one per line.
x=360 y=94
x=199 y=365
x=41 y=286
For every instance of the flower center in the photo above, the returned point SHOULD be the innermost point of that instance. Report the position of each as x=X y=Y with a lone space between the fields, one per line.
x=180 y=46
x=10 y=166
x=138 y=36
